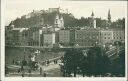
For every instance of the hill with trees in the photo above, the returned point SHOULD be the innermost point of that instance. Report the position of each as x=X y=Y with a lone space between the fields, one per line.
x=47 y=18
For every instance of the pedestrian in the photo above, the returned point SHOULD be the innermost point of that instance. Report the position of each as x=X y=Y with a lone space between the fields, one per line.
x=19 y=70
x=6 y=70
x=22 y=75
x=40 y=71
x=44 y=74
x=29 y=71
x=54 y=61
x=22 y=67
x=13 y=61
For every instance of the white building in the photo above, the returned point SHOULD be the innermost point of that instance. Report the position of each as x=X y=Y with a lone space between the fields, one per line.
x=59 y=21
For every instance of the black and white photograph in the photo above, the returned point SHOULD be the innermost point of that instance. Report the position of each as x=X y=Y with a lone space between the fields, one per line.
x=64 y=39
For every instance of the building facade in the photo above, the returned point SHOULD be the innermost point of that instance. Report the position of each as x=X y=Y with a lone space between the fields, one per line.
x=15 y=37
x=48 y=39
x=34 y=37
x=87 y=37
x=106 y=36
x=59 y=21
x=66 y=37
x=118 y=35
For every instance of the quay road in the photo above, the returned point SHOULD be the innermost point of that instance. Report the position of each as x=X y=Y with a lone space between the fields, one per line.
x=41 y=47
x=51 y=70
x=45 y=70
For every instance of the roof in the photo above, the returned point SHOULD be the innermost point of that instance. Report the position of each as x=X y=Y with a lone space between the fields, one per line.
x=20 y=29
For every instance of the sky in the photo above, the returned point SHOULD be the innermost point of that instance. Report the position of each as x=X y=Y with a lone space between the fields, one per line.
x=17 y=8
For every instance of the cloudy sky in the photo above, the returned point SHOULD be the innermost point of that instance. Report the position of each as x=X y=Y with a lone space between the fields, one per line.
x=17 y=8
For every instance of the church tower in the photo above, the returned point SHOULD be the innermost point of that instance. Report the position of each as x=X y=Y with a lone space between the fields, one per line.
x=59 y=21
x=109 y=19
x=93 y=21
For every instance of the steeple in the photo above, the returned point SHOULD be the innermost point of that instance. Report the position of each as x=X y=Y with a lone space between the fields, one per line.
x=92 y=14
x=109 y=16
x=93 y=21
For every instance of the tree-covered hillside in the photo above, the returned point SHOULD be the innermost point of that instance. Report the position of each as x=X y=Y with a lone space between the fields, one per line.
x=46 y=18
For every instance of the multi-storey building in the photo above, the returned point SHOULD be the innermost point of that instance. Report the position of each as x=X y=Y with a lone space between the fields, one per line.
x=91 y=36
x=16 y=36
x=106 y=36
x=118 y=35
x=34 y=36
x=48 y=39
x=66 y=37
x=87 y=37
x=112 y=35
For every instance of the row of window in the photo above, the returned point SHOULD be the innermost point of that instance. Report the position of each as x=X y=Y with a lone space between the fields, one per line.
x=113 y=38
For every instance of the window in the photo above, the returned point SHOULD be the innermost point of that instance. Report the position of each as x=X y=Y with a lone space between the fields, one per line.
x=56 y=20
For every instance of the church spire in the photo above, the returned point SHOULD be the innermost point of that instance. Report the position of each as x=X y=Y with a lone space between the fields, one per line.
x=109 y=16
x=92 y=14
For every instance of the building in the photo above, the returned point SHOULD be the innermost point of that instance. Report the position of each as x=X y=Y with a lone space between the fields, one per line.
x=112 y=35
x=16 y=37
x=59 y=21
x=106 y=36
x=93 y=21
x=118 y=35
x=87 y=37
x=48 y=39
x=54 y=10
x=34 y=36
x=66 y=37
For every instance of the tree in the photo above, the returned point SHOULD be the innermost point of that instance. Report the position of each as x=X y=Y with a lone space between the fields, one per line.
x=72 y=59
x=92 y=64
x=118 y=64
x=98 y=62
x=120 y=23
